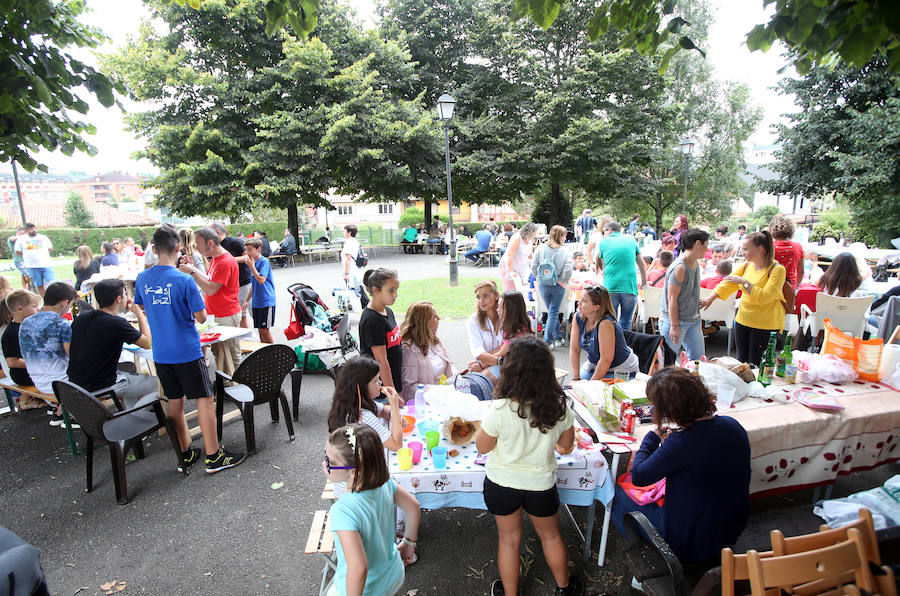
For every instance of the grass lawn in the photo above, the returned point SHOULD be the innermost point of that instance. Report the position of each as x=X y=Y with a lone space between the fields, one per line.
x=62 y=268
x=449 y=302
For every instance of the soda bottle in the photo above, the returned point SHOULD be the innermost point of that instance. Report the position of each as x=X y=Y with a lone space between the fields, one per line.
x=767 y=366
x=784 y=357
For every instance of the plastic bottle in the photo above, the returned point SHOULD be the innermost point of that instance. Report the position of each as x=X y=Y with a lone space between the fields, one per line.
x=419 y=399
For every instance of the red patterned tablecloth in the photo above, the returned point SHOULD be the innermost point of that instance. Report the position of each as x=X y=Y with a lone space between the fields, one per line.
x=793 y=447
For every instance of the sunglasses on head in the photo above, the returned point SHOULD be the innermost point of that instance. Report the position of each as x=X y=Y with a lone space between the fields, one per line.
x=329 y=467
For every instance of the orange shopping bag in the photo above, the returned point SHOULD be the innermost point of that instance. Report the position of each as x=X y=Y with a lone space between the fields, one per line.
x=864 y=355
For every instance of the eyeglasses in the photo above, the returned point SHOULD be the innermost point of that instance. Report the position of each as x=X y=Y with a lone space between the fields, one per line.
x=329 y=467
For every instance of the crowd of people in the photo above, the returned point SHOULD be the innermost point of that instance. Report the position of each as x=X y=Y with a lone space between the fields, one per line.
x=192 y=274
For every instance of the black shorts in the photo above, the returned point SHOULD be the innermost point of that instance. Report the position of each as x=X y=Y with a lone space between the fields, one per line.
x=187 y=379
x=264 y=318
x=501 y=500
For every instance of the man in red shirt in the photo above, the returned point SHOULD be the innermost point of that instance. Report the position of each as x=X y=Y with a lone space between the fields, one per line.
x=221 y=286
x=722 y=269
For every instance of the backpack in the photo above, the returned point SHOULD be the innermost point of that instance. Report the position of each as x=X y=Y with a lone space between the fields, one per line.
x=362 y=258
x=546 y=274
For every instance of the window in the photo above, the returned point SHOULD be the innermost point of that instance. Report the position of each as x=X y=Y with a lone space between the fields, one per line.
x=345 y=209
x=384 y=208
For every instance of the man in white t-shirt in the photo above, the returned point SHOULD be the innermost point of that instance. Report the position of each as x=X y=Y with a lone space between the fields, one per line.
x=35 y=250
x=352 y=275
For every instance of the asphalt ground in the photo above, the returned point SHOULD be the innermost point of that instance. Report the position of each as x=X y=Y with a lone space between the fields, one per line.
x=233 y=533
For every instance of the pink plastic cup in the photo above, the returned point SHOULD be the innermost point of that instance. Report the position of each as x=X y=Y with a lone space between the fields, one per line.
x=416 y=447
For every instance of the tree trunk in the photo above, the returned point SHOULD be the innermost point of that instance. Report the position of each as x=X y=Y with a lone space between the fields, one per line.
x=427 y=214
x=292 y=222
x=554 y=208
x=658 y=210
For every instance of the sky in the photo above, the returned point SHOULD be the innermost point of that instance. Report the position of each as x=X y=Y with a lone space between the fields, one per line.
x=119 y=19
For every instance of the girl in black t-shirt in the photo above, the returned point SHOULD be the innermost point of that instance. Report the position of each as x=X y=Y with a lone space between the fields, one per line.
x=379 y=335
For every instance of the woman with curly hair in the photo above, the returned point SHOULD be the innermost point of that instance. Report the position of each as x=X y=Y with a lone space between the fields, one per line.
x=528 y=419
x=787 y=252
x=705 y=460
x=424 y=357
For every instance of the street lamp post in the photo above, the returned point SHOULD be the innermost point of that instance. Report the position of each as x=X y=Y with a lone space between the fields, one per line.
x=445 y=105
x=687 y=146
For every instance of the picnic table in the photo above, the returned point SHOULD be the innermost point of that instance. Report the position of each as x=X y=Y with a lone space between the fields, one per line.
x=583 y=478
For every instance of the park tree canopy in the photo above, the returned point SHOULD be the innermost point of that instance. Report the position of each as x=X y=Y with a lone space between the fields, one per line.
x=38 y=88
x=241 y=117
x=844 y=140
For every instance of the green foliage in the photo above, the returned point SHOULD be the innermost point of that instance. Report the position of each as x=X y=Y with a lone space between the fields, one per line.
x=844 y=141
x=77 y=214
x=281 y=121
x=553 y=208
x=761 y=217
x=66 y=240
x=823 y=230
x=38 y=98
x=411 y=216
x=818 y=32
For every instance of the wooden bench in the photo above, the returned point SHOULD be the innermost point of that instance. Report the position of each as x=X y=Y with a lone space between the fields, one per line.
x=32 y=391
x=282 y=260
x=321 y=542
x=328 y=491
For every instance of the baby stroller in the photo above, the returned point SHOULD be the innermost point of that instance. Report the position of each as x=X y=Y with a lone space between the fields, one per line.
x=305 y=302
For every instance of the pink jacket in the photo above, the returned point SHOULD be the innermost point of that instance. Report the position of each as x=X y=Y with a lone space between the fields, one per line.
x=417 y=369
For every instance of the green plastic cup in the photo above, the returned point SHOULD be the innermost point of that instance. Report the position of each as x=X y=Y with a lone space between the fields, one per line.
x=432 y=438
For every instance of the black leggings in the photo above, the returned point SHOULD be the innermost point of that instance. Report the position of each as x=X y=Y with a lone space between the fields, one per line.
x=750 y=342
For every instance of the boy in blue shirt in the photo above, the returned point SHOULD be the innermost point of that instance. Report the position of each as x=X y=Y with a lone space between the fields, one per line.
x=172 y=302
x=262 y=289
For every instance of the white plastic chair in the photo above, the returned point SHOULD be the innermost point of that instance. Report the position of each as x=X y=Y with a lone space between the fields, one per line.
x=720 y=310
x=846 y=314
x=652 y=307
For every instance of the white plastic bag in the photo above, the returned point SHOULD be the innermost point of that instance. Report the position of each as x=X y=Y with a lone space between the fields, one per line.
x=893 y=381
x=713 y=374
x=829 y=367
x=446 y=402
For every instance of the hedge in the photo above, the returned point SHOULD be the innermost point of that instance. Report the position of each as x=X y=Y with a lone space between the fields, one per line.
x=66 y=240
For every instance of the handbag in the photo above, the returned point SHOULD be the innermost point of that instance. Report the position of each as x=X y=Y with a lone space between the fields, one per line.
x=294 y=328
x=643 y=495
x=864 y=355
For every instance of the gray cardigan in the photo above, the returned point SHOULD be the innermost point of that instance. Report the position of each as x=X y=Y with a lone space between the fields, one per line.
x=562 y=260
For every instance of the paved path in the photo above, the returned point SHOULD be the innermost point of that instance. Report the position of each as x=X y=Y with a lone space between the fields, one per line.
x=230 y=533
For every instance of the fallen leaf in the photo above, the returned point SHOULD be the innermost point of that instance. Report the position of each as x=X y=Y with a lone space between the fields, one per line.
x=277 y=485
x=412 y=592
x=207 y=574
x=108 y=585
x=276 y=467
x=70 y=564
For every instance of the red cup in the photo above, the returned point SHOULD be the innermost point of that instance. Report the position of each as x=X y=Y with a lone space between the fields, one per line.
x=416 y=447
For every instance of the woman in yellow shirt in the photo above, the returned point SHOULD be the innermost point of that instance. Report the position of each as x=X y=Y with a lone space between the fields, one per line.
x=760 y=280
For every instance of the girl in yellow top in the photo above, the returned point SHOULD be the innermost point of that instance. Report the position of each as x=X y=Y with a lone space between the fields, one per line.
x=760 y=280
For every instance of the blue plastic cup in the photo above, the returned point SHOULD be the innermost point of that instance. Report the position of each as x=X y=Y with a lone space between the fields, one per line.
x=439 y=456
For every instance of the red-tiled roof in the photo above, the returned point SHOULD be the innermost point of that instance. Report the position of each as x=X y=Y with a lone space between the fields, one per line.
x=52 y=215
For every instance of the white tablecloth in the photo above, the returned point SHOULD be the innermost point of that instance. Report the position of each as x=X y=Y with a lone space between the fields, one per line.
x=583 y=476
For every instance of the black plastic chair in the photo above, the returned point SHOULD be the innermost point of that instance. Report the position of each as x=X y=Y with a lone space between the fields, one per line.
x=257 y=381
x=346 y=345
x=122 y=431
x=645 y=346
x=650 y=558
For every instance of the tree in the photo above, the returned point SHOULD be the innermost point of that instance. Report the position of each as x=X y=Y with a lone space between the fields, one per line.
x=844 y=141
x=245 y=117
x=815 y=30
x=38 y=89
x=77 y=214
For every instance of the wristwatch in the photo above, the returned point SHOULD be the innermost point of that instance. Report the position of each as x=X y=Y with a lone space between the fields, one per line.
x=747 y=285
